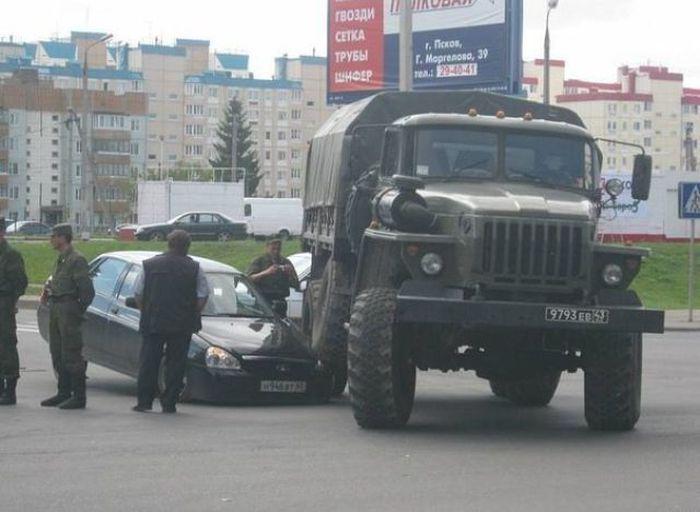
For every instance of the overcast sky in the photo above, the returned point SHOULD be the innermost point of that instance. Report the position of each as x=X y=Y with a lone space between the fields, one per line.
x=593 y=36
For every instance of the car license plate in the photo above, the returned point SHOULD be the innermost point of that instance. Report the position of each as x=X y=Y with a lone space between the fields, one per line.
x=577 y=316
x=282 y=386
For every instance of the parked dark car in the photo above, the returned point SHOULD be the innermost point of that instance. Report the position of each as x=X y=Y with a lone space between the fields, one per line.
x=28 y=228
x=244 y=351
x=200 y=226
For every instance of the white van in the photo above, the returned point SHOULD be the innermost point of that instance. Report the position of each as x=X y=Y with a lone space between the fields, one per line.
x=282 y=217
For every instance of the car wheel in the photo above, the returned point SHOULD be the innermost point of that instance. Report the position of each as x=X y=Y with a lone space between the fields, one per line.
x=224 y=237
x=158 y=237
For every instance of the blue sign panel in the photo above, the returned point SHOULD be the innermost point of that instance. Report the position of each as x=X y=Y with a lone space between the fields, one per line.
x=689 y=200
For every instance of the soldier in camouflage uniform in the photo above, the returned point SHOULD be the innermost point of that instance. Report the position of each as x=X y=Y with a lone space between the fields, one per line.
x=68 y=293
x=13 y=283
x=274 y=275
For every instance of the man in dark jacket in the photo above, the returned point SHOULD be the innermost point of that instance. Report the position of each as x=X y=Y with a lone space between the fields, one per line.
x=68 y=293
x=13 y=283
x=171 y=293
x=274 y=275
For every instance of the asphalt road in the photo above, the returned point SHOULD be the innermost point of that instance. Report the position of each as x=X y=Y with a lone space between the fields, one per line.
x=463 y=449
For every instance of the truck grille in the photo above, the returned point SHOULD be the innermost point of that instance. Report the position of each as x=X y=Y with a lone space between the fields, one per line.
x=533 y=252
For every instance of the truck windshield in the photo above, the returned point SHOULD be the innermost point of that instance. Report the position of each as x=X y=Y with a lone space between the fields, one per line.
x=456 y=153
x=552 y=160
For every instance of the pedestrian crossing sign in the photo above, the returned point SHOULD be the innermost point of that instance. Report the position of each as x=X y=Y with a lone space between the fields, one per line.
x=689 y=200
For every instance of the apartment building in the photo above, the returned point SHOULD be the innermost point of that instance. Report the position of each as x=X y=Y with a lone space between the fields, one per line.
x=646 y=105
x=41 y=150
x=188 y=88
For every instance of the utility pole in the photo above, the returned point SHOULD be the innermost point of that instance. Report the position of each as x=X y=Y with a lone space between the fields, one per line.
x=87 y=175
x=406 y=46
x=552 y=4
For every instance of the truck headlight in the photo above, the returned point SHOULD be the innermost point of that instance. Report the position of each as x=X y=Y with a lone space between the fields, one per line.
x=431 y=263
x=613 y=275
x=220 y=359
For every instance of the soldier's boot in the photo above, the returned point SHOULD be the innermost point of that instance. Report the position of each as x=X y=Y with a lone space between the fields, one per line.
x=63 y=391
x=9 y=397
x=78 y=399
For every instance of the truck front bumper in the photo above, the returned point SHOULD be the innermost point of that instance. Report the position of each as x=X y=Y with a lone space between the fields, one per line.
x=419 y=302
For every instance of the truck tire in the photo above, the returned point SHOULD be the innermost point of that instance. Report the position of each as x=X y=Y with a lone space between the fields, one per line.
x=329 y=339
x=536 y=391
x=382 y=376
x=613 y=381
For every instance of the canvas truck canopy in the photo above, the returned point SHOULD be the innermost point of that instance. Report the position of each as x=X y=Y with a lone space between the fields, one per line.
x=336 y=158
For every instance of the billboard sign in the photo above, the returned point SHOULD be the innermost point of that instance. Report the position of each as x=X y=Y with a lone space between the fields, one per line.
x=458 y=44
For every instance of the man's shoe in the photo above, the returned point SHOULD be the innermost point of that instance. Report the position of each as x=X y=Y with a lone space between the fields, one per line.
x=168 y=409
x=63 y=391
x=8 y=396
x=142 y=408
x=77 y=401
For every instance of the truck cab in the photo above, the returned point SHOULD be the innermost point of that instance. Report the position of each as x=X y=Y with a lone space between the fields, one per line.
x=470 y=244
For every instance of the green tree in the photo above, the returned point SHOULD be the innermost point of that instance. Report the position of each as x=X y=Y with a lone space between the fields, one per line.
x=246 y=154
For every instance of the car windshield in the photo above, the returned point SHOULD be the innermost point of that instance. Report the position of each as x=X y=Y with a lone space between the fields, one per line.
x=455 y=153
x=232 y=295
x=551 y=160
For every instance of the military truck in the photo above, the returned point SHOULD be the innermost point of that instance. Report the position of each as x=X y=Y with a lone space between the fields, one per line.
x=457 y=231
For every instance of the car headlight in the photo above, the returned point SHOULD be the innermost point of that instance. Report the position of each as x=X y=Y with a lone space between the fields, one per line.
x=431 y=264
x=613 y=275
x=220 y=359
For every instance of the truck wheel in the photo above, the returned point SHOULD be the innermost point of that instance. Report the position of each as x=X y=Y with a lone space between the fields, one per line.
x=329 y=339
x=613 y=381
x=382 y=376
x=533 y=392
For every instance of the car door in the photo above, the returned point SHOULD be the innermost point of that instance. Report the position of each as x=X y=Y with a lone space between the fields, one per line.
x=106 y=275
x=208 y=226
x=123 y=325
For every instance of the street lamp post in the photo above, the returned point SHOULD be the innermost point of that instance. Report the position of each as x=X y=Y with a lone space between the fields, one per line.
x=552 y=4
x=87 y=180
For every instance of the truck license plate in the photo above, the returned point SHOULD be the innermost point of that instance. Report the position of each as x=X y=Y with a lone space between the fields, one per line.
x=577 y=316
x=282 y=386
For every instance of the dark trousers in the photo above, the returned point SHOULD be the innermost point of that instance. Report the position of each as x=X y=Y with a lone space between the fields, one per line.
x=176 y=348
x=9 y=358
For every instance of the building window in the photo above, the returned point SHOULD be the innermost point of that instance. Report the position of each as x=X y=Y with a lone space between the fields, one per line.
x=135 y=125
x=637 y=126
x=647 y=141
x=296 y=192
x=281 y=135
x=612 y=108
x=282 y=115
x=296 y=154
x=267 y=155
x=296 y=134
x=194 y=89
x=281 y=155
x=54 y=190
x=296 y=114
x=647 y=124
x=194 y=150
x=54 y=142
x=647 y=106
x=54 y=118
x=172 y=96
x=213 y=92
x=296 y=173
x=194 y=110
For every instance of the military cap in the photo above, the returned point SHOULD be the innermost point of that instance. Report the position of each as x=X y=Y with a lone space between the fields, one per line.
x=274 y=240
x=62 y=230
x=3 y=224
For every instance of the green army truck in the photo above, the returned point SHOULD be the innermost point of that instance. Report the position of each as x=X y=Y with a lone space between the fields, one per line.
x=457 y=231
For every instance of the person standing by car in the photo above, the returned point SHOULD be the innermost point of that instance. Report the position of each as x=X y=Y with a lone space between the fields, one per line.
x=274 y=275
x=68 y=293
x=13 y=283
x=171 y=293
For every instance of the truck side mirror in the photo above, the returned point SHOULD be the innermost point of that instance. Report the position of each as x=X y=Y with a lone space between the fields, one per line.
x=641 y=177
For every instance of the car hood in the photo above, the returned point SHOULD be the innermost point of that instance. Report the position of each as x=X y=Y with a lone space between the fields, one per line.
x=508 y=200
x=255 y=336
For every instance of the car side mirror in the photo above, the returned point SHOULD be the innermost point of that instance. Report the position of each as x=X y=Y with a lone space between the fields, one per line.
x=641 y=177
x=131 y=303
